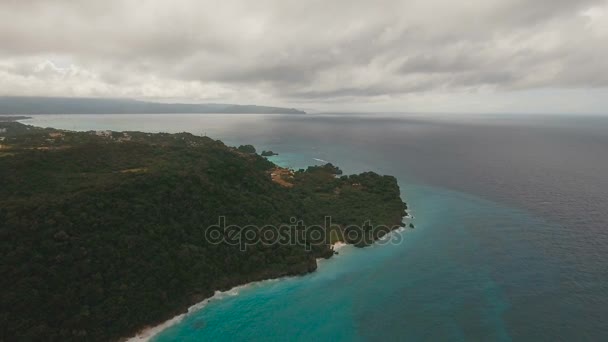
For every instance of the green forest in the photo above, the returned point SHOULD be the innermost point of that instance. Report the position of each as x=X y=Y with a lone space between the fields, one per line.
x=104 y=233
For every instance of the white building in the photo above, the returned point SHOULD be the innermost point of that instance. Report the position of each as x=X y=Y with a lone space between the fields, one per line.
x=103 y=133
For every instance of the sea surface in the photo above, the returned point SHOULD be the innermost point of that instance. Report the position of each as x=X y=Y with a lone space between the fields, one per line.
x=511 y=237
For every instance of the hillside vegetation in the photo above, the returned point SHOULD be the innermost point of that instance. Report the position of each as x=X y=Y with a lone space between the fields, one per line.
x=104 y=233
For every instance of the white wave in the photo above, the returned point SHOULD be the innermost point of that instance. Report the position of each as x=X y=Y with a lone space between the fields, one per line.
x=321 y=160
x=148 y=333
x=339 y=245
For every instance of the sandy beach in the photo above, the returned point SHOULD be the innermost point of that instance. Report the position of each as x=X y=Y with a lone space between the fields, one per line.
x=147 y=334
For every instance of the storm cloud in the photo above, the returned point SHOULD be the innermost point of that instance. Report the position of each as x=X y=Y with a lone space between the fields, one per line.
x=300 y=52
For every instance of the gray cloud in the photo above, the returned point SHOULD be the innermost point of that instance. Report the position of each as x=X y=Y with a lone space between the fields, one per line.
x=278 y=51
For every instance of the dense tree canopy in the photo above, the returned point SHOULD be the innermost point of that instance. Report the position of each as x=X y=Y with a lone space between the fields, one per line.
x=246 y=148
x=103 y=233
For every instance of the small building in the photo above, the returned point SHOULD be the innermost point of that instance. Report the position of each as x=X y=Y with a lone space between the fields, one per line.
x=125 y=137
x=56 y=135
x=103 y=133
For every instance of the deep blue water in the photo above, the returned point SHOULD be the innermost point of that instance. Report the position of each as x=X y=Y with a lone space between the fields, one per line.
x=511 y=237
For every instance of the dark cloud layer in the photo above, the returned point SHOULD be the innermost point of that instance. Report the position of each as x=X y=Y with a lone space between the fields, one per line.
x=299 y=51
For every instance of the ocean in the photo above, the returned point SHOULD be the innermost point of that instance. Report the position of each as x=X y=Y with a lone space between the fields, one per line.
x=511 y=237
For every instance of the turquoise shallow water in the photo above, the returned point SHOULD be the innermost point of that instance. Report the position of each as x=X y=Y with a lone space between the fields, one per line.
x=417 y=289
x=510 y=237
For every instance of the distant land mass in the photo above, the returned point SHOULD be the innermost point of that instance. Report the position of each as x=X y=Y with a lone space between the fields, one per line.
x=68 y=105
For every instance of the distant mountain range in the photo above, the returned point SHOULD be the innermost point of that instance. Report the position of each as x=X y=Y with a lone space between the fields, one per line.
x=65 y=105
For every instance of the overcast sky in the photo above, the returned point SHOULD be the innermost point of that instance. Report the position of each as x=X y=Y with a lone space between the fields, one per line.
x=427 y=55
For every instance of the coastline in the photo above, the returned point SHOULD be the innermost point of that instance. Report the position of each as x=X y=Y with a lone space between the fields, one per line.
x=339 y=245
x=151 y=328
x=146 y=334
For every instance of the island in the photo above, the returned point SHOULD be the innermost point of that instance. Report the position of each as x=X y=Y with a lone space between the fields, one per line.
x=72 y=105
x=268 y=154
x=103 y=233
